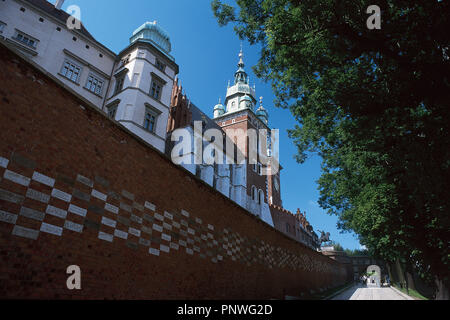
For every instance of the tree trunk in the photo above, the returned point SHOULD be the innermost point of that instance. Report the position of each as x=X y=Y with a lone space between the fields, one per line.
x=390 y=274
x=410 y=281
x=442 y=290
x=405 y=282
x=400 y=274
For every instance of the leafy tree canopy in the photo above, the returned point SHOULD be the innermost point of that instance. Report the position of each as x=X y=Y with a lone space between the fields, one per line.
x=356 y=252
x=374 y=104
x=337 y=246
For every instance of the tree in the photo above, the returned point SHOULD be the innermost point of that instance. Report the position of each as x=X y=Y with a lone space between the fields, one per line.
x=374 y=105
x=337 y=246
x=356 y=252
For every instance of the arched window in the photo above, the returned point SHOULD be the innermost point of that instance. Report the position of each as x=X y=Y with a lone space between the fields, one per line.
x=254 y=193
x=261 y=197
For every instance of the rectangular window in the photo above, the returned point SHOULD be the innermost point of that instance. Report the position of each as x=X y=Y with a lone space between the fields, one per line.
x=71 y=71
x=112 y=110
x=94 y=84
x=150 y=122
x=155 y=90
x=160 y=65
x=119 y=84
x=125 y=60
x=151 y=118
x=26 y=39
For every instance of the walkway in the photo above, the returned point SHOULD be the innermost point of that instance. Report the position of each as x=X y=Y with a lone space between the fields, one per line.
x=363 y=292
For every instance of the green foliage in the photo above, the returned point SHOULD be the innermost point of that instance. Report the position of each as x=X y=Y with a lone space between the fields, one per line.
x=337 y=246
x=369 y=274
x=411 y=292
x=373 y=104
x=356 y=252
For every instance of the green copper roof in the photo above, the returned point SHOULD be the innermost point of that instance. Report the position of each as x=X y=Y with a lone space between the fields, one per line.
x=219 y=107
x=153 y=33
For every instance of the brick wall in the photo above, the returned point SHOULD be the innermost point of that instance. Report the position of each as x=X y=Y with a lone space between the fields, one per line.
x=77 y=188
x=282 y=217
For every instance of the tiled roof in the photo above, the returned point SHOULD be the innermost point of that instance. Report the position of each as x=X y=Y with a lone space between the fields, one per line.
x=198 y=115
x=60 y=15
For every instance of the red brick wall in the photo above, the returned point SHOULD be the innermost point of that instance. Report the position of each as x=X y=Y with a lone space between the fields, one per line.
x=47 y=130
x=253 y=178
x=281 y=217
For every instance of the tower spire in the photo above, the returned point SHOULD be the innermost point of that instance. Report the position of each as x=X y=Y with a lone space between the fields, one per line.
x=241 y=76
x=241 y=58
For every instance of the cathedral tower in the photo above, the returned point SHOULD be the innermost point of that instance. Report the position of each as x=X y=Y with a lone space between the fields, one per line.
x=249 y=185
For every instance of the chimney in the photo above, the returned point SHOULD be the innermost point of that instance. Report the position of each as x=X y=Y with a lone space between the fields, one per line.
x=58 y=4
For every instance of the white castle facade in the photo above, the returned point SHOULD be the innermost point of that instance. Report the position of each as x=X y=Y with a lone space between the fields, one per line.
x=135 y=88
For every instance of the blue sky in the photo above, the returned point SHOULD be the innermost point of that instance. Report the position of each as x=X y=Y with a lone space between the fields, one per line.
x=207 y=55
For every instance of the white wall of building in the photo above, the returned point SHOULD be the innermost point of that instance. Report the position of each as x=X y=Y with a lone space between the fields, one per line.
x=135 y=96
x=56 y=44
x=52 y=46
x=266 y=216
x=223 y=181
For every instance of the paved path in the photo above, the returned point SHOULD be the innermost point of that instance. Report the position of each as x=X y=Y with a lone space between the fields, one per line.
x=362 y=292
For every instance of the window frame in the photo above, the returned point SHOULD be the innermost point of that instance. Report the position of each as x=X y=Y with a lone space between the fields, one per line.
x=260 y=200
x=112 y=106
x=99 y=80
x=159 y=65
x=153 y=112
x=24 y=35
x=254 y=194
x=120 y=78
x=158 y=83
x=260 y=169
x=74 y=65
x=125 y=60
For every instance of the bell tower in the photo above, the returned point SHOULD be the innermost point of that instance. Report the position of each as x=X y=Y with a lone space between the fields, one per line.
x=249 y=187
x=240 y=95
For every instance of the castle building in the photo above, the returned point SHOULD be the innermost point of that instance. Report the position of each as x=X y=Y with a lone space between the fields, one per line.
x=132 y=87
x=138 y=88
x=244 y=182
x=140 y=94
x=241 y=112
